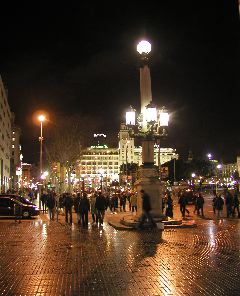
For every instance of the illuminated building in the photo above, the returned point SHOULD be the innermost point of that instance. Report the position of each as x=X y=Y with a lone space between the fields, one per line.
x=5 y=138
x=15 y=160
x=129 y=153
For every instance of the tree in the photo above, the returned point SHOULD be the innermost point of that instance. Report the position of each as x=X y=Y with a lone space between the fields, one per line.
x=67 y=139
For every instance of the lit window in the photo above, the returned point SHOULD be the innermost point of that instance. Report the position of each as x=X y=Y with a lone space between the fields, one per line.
x=13 y=139
x=13 y=146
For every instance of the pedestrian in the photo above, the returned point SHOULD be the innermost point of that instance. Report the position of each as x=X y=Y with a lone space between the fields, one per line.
x=100 y=208
x=169 y=205
x=93 y=208
x=214 y=201
x=182 y=201
x=76 y=203
x=51 y=203
x=123 y=200
x=84 y=208
x=133 y=201
x=229 y=204
x=236 y=204
x=68 y=203
x=200 y=202
x=43 y=199
x=146 y=208
x=219 y=206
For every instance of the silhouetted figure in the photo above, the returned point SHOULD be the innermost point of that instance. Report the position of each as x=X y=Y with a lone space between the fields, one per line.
x=146 y=208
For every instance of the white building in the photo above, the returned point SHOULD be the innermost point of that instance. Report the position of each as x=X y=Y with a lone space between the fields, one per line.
x=128 y=153
x=5 y=138
x=100 y=160
x=16 y=156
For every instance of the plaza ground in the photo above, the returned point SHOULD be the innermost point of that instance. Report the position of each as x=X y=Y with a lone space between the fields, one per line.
x=42 y=257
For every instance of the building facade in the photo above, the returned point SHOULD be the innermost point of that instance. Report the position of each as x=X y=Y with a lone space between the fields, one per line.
x=101 y=162
x=16 y=157
x=5 y=138
x=129 y=153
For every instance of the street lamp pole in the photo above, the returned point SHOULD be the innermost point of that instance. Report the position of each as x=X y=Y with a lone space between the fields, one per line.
x=151 y=124
x=41 y=118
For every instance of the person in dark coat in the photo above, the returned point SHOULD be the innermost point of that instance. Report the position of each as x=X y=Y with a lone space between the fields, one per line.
x=100 y=206
x=169 y=204
x=200 y=202
x=68 y=203
x=51 y=202
x=44 y=201
x=182 y=201
x=236 y=204
x=76 y=203
x=219 y=205
x=229 y=204
x=146 y=208
x=84 y=208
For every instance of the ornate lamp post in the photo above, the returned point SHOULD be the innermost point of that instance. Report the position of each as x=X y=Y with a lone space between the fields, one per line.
x=151 y=126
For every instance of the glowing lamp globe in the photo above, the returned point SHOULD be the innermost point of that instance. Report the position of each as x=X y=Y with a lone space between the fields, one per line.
x=163 y=118
x=144 y=47
x=151 y=113
x=130 y=116
x=41 y=118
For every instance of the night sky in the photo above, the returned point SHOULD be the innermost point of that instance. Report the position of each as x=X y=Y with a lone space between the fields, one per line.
x=81 y=58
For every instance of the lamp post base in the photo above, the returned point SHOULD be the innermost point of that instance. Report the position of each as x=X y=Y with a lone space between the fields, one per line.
x=150 y=183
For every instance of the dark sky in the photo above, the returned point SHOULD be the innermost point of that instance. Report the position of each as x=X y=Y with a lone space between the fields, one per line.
x=81 y=58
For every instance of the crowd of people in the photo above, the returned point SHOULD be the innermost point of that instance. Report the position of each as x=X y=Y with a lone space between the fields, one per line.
x=83 y=204
x=95 y=204
x=227 y=198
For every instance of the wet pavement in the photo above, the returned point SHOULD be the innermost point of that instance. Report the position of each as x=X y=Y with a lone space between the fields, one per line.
x=42 y=257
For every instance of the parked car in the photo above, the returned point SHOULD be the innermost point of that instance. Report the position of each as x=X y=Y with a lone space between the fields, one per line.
x=20 y=198
x=8 y=205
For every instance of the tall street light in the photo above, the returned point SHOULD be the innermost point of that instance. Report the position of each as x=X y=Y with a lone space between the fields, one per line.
x=151 y=125
x=41 y=118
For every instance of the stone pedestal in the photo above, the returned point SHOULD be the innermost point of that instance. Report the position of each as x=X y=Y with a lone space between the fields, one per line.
x=149 y=182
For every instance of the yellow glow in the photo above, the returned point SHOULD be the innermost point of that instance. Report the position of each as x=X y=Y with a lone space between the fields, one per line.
x=151 y=114
x=41 y=117
x=144 y=47
x=164 y=118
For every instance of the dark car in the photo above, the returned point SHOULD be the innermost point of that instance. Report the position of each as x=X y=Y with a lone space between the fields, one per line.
x=12 y=207
x=20 y=198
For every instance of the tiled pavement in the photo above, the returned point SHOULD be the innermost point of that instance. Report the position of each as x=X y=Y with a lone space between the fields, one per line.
x=39 y=257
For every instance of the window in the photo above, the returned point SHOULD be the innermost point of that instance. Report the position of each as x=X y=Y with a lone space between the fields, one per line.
x=13 y=146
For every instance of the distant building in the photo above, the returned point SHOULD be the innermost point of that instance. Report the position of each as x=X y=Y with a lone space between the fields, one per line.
x=26 y=174
x=99 y=159
x=129 y=153
x=5 y=138
x=16 y=157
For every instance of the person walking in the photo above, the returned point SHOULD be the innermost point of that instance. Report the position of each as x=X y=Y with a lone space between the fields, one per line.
x=146 y=208
x=68 y=203
x=93 y=208
x=219 y=206
x=214 y=201
x=84 y=208
x=51 y=203
x=133 y=201
x=229 y=204
x=200 y=202
x=182 y=201
x=76 y=203
x=236 y=204
x=43 y=199
x=100 y=208
x=169 y=205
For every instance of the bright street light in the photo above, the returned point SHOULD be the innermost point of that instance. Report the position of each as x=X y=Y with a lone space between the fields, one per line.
x=41 y=118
